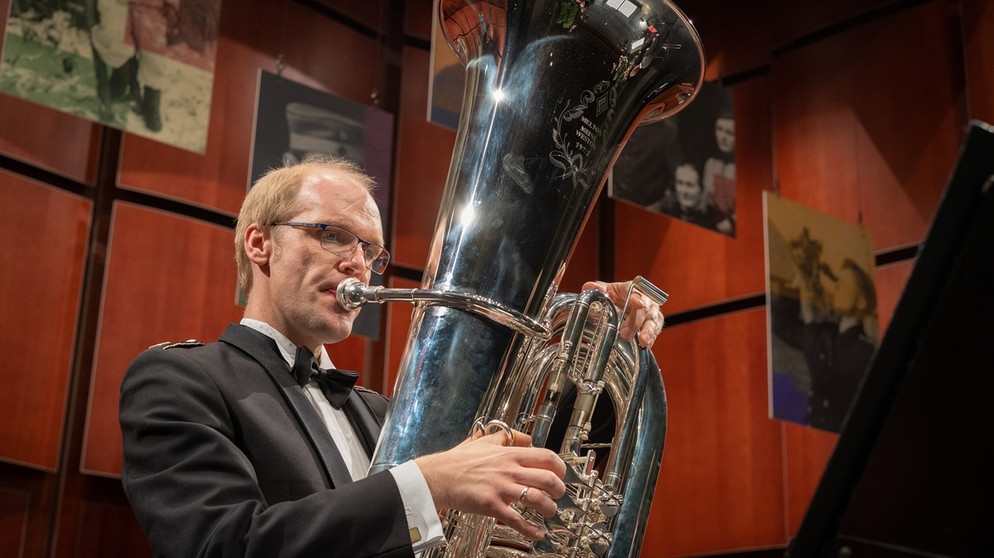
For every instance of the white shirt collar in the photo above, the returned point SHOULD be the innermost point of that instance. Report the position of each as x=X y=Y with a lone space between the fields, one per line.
x=287 y=348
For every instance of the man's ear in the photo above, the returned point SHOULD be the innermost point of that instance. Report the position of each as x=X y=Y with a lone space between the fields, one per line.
x=258 y=245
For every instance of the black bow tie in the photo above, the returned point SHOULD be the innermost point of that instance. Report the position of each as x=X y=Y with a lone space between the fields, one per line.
x=336 y=384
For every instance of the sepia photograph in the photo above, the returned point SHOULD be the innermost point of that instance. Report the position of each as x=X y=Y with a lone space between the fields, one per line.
x=822 y=312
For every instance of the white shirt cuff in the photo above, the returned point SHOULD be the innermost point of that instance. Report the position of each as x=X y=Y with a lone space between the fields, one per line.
x=422 y=517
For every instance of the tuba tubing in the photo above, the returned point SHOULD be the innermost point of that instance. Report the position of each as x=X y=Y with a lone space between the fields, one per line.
x=554 y=89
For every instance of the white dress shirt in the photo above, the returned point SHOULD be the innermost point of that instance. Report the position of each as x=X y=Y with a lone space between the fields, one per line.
x=422 y=517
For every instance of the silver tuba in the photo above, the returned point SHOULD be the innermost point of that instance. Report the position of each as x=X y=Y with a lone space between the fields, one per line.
x=554 y=89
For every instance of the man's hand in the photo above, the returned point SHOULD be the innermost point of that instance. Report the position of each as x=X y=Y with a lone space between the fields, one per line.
x=483 y=476
x=643 y=316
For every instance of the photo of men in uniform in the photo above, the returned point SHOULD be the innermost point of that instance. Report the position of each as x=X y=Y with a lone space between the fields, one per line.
x=822 y=313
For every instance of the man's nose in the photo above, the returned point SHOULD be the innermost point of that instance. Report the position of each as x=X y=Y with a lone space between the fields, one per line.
x=356 y=260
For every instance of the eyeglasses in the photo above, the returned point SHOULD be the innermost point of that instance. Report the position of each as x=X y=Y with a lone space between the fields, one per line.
x=343 y=242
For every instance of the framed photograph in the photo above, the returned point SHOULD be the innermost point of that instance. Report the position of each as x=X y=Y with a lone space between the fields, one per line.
x=146 y=68
x=822 y=312
x=684 y=166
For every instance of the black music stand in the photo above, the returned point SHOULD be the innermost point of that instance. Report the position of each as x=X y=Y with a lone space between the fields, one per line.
x=912 y=473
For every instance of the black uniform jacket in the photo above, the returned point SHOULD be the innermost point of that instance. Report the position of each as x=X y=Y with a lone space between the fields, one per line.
x=224 y=455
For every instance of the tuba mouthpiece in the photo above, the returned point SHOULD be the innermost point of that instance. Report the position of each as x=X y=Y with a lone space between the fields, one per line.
x=352 y=293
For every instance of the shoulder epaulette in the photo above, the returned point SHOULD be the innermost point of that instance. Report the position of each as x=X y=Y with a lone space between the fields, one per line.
x=174 y=344
x=367 y=390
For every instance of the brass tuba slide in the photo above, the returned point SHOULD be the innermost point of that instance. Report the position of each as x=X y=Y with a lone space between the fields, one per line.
x=554 y=89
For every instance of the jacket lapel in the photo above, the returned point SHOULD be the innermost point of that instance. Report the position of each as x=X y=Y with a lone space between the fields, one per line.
x=363 y=417
x=263 y=349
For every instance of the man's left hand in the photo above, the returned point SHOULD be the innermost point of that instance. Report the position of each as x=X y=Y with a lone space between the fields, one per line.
x=643 y=316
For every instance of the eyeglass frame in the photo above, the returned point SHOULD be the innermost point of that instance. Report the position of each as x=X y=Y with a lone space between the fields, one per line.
x=325 y=226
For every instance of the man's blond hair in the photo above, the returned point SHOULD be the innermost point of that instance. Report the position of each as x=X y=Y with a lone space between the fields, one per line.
x=273 y=199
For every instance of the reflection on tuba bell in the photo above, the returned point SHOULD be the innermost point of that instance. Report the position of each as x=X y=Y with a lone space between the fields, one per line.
x=554 y=89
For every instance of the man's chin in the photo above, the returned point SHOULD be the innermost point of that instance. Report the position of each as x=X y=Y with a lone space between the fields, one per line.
x=340 y=331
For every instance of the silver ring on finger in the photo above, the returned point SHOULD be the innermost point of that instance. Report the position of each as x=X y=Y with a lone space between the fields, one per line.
x=524 y=493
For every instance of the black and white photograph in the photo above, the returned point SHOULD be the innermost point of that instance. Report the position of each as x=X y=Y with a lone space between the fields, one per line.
x=684 y=166
x=822 y=312
x=146 y=68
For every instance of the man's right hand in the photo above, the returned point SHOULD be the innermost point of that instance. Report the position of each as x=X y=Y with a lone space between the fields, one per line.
x=485 y=477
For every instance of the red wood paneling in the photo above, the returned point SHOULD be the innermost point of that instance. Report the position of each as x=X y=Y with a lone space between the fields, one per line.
x=890 y=280
x=168 y=278
x=27 y=496
x=745 y=40
x=108 y=531
x=978 y=42
x=369 y=14
x=350 y=354
x=806 y=452
x=870 y=121
x=46 y=234
x=13 y=521
x=399 y=323
x=218 y=178
x=418 y=19
x=721 y=482
x=584 y=262
x=423 y=154
x=61 y=143
x=791 y=20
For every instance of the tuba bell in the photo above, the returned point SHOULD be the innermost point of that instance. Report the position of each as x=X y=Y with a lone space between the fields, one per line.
x=554 y=89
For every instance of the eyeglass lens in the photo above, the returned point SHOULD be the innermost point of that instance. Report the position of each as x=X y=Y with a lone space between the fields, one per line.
x=342 y=242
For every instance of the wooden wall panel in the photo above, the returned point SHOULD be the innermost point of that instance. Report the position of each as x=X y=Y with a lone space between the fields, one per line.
x=62 y=143
x=745 y=40
x=862 y=130
x=890 y=280
x=168 y=278
x=28 y=501
x=792 y=20
x=978 y=43
x=108 y=531
x=721 y=482
x=398 y=326
x=584 y=263
x=369 y=14
x=13 y=521
x=418 y=19
x=350 y=354
x=806 y=452
x=46 y=232
x=694 y=265
x=218 y=178
x=422 y=163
